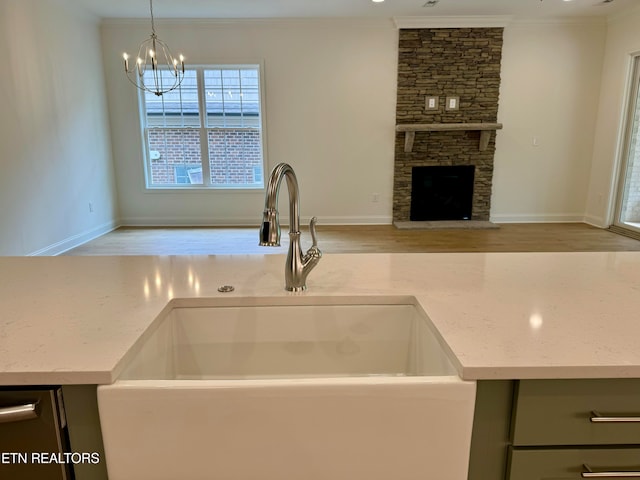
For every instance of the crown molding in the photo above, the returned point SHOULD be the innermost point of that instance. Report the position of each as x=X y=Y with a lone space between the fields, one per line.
x=221 y=22
x=476 y=21
x=560 y=21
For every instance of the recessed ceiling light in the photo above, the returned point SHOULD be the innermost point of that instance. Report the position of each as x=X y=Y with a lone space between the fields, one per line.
x=377 y=1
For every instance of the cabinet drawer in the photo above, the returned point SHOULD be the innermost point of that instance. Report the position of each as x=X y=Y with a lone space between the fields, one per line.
x=559 y=412
x=569 y=463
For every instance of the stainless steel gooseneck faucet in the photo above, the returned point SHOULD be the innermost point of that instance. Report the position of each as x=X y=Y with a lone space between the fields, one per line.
x=298 y=265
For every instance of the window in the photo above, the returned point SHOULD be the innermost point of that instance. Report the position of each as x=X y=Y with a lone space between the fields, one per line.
x=208 y=132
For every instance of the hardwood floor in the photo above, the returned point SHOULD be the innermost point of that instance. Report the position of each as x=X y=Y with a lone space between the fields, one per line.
x=556 y=237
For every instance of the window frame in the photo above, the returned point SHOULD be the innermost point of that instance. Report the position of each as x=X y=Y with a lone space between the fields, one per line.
x=203 y=130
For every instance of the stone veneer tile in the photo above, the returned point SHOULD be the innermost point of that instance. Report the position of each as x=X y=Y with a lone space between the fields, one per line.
x=463 y=62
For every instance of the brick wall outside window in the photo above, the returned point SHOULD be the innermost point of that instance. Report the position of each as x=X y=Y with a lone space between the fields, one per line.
x=177 y=147
x=234 y=154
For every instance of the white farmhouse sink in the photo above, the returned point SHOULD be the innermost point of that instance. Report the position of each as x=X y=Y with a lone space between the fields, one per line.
x=289 y=341
x=279 y=389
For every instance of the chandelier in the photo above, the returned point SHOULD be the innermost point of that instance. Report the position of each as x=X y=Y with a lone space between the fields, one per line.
x=167 y=72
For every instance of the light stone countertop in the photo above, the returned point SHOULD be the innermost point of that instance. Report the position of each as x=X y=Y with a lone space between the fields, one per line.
x=72 y=320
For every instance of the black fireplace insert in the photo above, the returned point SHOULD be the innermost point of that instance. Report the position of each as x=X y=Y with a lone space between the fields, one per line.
x=442 y=192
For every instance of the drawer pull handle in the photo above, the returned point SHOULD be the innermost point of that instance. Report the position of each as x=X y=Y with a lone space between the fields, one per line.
x=591 y=474
x=597 y=418
x=18 y=413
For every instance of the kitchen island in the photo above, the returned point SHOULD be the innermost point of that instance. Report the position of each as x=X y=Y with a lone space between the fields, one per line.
x=502 y=317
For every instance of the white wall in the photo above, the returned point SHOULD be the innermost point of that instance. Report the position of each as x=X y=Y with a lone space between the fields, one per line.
x=330 y=105
x=550 y=90
x=54 y=141
x=623 y=40
x=330 y=90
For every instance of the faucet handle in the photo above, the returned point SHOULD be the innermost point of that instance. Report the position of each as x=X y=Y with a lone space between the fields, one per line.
x=313 y=252
x=312 y=229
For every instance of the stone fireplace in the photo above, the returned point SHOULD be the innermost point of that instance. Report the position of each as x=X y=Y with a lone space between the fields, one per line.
x=463 y=63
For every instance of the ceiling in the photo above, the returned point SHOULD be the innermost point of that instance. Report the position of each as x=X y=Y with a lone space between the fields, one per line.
x=213 y=9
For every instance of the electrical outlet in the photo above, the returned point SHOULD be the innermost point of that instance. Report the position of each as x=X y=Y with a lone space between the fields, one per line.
x=453 y=103
x=375 y=197
x=90 y=207
x=431 y=103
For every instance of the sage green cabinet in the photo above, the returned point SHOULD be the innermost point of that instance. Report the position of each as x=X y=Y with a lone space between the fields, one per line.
x=560 y=412
x=490 y=435
x=572 y=463
x=85 y=435
x=571 y=429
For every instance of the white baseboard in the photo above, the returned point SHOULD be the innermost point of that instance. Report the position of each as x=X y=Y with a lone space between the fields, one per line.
x=75 y=240
x=246 y=221
x=535 y=218
x=360 y=220
x=369 y=220
x=184 y=221
x=595 y=221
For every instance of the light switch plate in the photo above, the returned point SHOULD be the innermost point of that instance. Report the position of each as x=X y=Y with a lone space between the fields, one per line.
x=431 y=103
x=453 y=103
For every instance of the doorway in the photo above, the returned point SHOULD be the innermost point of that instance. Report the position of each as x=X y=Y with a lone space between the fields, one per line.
x=627 y=210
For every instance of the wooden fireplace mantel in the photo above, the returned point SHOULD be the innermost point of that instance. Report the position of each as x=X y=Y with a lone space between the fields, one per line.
x=410 y=130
